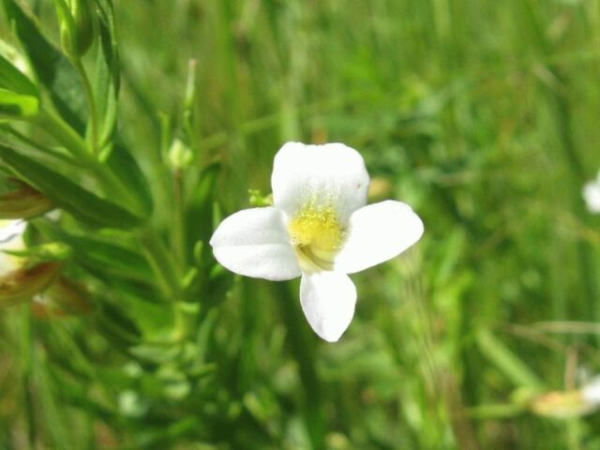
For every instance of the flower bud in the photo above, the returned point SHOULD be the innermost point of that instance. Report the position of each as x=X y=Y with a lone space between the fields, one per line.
x=566 y=404
x=180 y=155
x=23 y=202
x=21 y=277
x=22 y=284
x=560 y=405
x=77 y=26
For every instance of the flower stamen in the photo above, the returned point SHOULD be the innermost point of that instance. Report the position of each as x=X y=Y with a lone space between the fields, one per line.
x=317 y=236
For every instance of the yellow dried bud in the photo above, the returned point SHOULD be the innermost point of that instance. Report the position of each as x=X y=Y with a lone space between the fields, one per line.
x=23 y=202
x=560 y=405
x=22 y=284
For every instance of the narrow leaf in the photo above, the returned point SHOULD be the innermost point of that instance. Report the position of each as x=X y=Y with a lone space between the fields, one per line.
x=81 y=203
x=102 y=254
x=507 y=361
x=17 y=106
x=51 y=67
x=13 y=79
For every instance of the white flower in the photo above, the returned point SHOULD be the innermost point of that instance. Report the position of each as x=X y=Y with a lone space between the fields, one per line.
x=591 y=392
x=320 y=229
x=591 y=195
x=11 y=239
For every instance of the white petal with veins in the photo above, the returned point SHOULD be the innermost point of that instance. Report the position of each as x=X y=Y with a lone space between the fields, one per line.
x=328 y=300
x=323 y=176
x=377 y=233
x=254 y=243
x=320 y=228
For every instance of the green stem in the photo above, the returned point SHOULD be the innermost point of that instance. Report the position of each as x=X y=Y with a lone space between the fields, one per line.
x=186 y=320
x=160 y=261
x=563 y=117
x=27 y=361
x=179 y=231
x=486 y=412
x=302 y=347
x=574 y=434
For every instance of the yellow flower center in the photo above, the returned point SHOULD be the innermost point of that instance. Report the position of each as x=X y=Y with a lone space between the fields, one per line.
x=317 y=236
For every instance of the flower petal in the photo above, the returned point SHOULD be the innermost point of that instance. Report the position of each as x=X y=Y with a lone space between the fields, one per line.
x=11 y=239
x=591 y=392
x=591 y=195
x=328 y=300
x=330 y=175
x=11 y=229
x=254 y=242
x=377 y=233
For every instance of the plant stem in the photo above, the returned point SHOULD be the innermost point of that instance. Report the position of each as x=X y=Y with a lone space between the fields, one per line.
x=563 y=117
x=303 y=350
x=27 y=361
x=179 y=222
x=487 y=412
x=573 y=433
x=160 y=261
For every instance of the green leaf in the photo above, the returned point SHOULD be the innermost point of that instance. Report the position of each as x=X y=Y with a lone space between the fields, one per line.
x=107 y=73
x=81 y=203
x=40 y=254
x=507 y=361
x=106 y=103
x=17 y=106
x=117 y=326
x=125 y=167
x=50 y=66
x=108 y=39
x=13 y=79
x=102 y=254
x=158 y=354
x=107 y=84
x=199 y=213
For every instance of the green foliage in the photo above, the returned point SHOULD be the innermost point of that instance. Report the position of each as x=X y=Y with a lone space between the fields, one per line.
x=50 y=66
x=84 y=205
x=149 y=126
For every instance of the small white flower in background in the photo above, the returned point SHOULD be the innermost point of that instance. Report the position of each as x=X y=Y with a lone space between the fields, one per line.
x=320 y=229
x=11 y=239
x=591 y=195
x=591 y=393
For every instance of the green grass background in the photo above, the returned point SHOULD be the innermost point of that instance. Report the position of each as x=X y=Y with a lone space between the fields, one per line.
x=483 y=116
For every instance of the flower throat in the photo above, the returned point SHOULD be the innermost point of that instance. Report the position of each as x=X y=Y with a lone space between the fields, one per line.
x=317 y=236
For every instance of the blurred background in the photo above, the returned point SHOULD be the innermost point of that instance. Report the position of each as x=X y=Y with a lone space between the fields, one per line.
x=483 y=116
